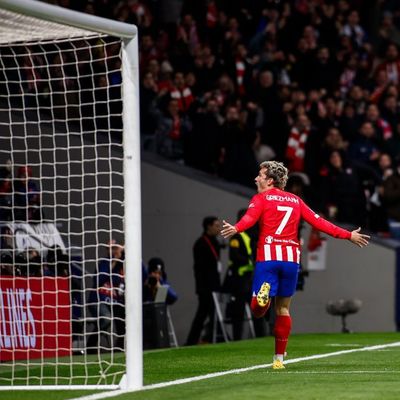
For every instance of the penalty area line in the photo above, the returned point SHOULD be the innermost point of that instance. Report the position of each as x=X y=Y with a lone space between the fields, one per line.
x=182 y=381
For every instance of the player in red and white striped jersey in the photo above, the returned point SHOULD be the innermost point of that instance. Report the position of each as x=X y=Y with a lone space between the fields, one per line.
x=278 y=214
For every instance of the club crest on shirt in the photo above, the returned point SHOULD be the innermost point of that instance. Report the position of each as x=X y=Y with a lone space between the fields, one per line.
x=269 y=239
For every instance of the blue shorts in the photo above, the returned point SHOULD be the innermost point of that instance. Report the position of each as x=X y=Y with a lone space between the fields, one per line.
x=281 y=275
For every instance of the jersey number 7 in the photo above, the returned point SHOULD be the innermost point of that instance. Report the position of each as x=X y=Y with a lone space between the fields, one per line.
x=285 y=219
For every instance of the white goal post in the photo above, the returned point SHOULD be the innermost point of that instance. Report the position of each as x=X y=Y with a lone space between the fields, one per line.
x=32 y=118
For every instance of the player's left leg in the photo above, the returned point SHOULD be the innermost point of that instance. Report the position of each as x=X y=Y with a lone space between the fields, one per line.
x=265 y=286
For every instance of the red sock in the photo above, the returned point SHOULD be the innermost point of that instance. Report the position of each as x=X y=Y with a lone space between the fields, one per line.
x=256 y=309
x=283 y=324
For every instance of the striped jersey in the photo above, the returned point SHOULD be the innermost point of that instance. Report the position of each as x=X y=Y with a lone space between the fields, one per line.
x=278 y=214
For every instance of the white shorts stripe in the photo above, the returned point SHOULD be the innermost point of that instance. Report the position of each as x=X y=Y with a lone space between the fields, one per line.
x=298 y=256
x=278 y=250
x=267 y=252
x=289 y=251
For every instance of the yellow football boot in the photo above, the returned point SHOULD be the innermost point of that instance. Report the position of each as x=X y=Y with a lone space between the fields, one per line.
x=263 y=294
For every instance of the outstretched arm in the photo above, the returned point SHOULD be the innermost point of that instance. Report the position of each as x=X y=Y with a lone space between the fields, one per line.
x=325 y=226
x=228 y=230
x=358 y=238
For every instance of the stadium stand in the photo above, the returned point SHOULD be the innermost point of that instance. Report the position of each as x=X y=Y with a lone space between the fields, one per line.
x=227 y=83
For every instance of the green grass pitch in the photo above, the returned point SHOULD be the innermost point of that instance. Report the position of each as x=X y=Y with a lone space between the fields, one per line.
x=360 y=375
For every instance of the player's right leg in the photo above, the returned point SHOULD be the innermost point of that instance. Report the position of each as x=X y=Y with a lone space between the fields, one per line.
x=283 y=325
x=264 y=287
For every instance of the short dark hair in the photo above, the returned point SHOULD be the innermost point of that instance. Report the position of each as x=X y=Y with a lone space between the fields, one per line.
x=156 y=264
x=208 y=221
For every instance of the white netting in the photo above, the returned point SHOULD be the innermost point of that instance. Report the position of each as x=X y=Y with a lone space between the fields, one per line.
x=61 y=205
x=16 y=28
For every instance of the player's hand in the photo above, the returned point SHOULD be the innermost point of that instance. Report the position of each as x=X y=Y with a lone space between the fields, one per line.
x=228 y=230
x=358 y=238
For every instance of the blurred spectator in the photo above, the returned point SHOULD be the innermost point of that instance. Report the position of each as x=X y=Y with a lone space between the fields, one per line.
x=57 y=262
x=156 y=276
x=7 y=265
x=388 y=32
x=295 y=151
x=365 y=150
x=391 y=198
x=181 y=92
x=323 y=73
x=391 y=65
x=187 y=34
x=383 y=130
x=6 y=197
x=342 y=190
x=204 y=143
x=148 y=108
x=172 y=132
x=26 y=196
x=207 y=269
x=391 y=112
x=266 y=95
x=357 y=99
x=107 y=300
x=392 y=145
x=206 y=69
x=29 y=263
x=378 y=214
x=148 y=51
x=238 y=137
x=332 y=141
x=353 y=29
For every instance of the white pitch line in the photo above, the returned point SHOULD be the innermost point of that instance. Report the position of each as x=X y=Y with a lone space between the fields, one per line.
x=182 y=381
x=341 y=372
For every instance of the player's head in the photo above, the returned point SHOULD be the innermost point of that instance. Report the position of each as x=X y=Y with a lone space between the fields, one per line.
x=276 y=171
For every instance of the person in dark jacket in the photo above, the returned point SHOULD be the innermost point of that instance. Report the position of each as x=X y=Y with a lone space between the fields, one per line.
x=207 y=268
x=239 y=277
x=391 y=198
x=107 y=301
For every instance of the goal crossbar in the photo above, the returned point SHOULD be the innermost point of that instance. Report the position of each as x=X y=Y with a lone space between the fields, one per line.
x=64 y=16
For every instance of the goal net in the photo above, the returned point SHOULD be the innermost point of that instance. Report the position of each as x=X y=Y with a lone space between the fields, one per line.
x=69 y=215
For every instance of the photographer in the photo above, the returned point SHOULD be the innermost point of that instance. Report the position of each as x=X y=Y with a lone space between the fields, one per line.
x=156 y=278
x=108 y=299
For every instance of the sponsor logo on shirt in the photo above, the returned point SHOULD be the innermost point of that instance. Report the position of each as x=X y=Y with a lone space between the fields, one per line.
x=270 y=239
x=275 y=197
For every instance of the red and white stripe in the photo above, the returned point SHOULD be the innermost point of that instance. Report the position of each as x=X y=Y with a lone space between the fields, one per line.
x=184 y=98
x=386 y=128
x=240 y=71
x=295 y=150
x=278 y=252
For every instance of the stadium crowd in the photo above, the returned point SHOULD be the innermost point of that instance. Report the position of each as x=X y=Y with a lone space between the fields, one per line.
x=227 y=84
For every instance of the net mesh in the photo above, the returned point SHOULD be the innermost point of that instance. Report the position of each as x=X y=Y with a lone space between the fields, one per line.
x=61 y=205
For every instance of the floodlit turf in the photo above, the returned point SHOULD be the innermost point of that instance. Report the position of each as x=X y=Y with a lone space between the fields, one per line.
x=79 y=370
x=361 y=375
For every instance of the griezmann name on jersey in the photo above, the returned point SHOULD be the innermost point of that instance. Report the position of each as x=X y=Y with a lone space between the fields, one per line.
x=278 y=214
